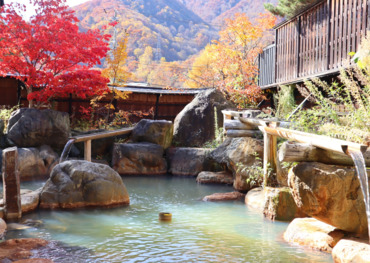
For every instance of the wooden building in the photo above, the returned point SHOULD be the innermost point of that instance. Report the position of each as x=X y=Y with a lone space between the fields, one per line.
x=165 y=103
x=315 y=43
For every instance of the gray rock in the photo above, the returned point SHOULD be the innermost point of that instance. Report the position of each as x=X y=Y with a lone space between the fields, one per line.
x=331 y=194
x=186 y=161
x=75 y=184
x=237 y=154
x=34 y=128
x=195 y=124
x=155 y=131
x=223 y=177
x=139 y=159
x=35 y=163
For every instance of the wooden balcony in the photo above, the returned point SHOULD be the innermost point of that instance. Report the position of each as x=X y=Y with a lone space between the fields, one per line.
x=315 y=43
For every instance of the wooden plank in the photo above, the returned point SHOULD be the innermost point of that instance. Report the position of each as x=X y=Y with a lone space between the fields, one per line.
x=340 y=35
x=87 y=150
x=237 y=125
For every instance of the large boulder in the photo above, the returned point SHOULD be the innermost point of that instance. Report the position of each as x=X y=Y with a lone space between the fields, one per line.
x=255 y=199
x=75 y=184
x=154 y=131
x=223 y=177
x=36 y=163
x=186 y=161
x=238 y=154
x=313 y=233
x=331 y=194
x=139 y=159
x=34 y=128
x=351 y=251
x=195 y=124
x=280 y=205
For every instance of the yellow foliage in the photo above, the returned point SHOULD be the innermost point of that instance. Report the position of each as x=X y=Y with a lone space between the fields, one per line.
x=115 y=69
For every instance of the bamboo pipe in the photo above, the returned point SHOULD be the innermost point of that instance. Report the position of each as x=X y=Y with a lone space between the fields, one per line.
x=101 y=135
x=319 y=141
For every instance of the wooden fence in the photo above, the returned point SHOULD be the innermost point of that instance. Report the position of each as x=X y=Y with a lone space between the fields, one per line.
x=318 y=41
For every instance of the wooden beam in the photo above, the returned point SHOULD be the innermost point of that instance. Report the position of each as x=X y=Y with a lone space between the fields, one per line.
x=237 y=125
x=242 y=133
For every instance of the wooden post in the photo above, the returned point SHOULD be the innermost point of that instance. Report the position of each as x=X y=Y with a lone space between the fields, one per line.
x=11 y=184
x=87 y=150
x=269 y=157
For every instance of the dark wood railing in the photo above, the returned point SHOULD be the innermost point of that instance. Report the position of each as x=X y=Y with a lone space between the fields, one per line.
x=267 y=66
x=317 y=42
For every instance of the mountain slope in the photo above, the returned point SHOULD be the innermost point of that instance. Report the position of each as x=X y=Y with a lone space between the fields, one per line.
x=166 y=23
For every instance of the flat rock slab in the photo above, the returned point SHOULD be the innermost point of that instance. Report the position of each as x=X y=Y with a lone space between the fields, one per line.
x=351 y=251
x=232 y=196
x=20 y=249
x=313 y=233
x=215 y=178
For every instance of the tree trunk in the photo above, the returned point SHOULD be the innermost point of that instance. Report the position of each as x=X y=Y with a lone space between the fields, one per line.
x=303 y=152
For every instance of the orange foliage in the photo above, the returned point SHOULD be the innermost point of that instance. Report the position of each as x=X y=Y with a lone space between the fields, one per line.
x=230 y=64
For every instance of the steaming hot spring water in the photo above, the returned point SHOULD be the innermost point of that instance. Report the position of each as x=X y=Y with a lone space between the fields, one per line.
x=199 y=231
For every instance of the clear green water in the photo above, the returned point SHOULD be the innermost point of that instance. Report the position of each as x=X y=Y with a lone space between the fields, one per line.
x=199 y=232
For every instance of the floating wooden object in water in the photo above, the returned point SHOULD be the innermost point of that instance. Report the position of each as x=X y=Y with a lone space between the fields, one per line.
x=165 y=216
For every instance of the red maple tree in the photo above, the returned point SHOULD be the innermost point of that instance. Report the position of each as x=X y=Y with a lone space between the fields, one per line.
x=49 y=54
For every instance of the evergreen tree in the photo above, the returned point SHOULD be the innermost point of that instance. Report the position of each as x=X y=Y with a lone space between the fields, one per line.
x=289 y=8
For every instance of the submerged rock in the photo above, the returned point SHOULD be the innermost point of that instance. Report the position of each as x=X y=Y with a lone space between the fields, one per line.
x=75 y=184
x=34 y=128
x=155 y=131
x=186 y=161
x=195 y=124
x=331 y=194
x=215 y=178
x=233 y=196
x=139 y=159
x=348 y=251
x=313 y=233
x=3 y=228
x=20 y=249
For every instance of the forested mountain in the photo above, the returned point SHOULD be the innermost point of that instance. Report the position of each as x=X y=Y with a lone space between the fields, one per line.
x=215 y=11
x=167 y=24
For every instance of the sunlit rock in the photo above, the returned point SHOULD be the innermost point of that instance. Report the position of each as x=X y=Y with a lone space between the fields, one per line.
x=313 y=233
x=75 y=184
x=223 y=177
x=238 y=154
x=232 y=196
x=279 y=205
x=331 y=194
x=348 y=251
x=155 y=131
